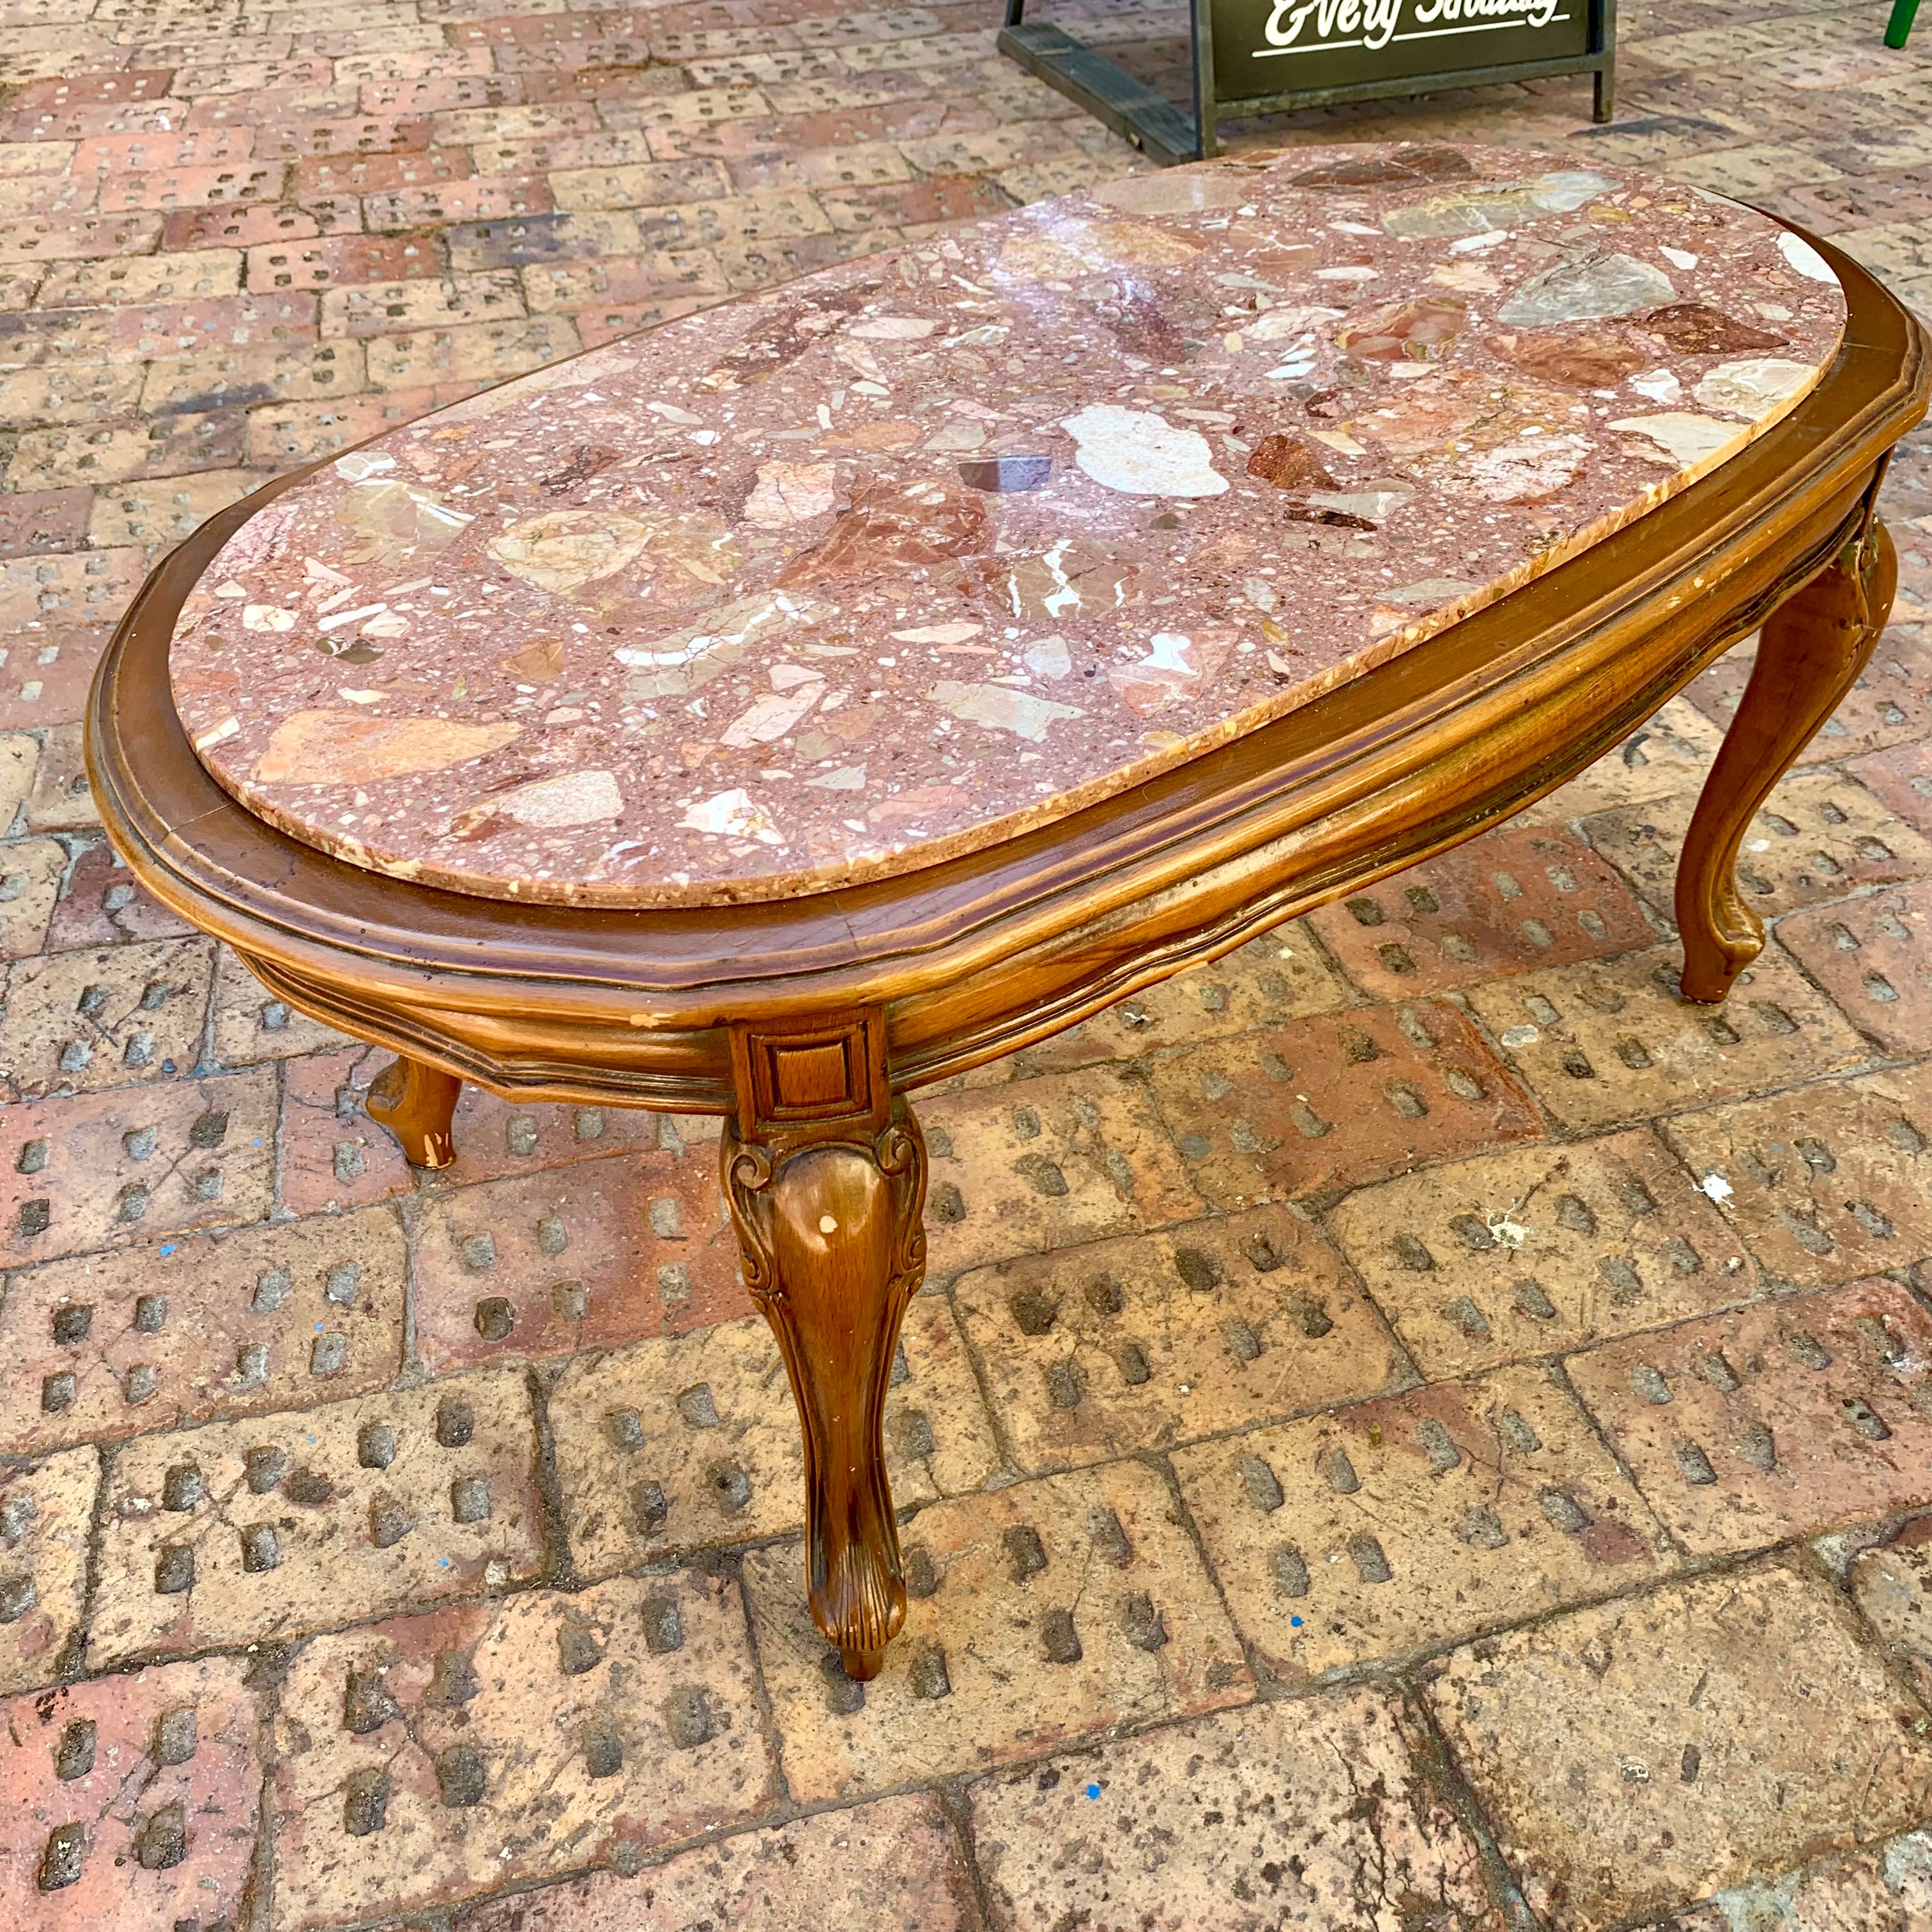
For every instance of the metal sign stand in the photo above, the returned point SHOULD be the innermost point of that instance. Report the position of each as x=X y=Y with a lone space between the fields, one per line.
x=1168 y=134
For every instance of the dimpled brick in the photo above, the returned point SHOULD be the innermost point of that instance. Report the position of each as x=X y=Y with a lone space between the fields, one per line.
x=61 y=800
x=30 y=882
x=241 y=1531
x=496 y=1137
x=1325 y=1103
x=78 y=1021
x=139 y=1794
x=894 y=1866
x=1399 y=1525
x=45 y=1509
x=1614 y=1040
x=1539 y=1249
x=1519 y=897
x=693 y=1441
x=1044 y=1164
x=1322 y=1812
x=1036 y=1615
x=1870 y=954
x=596 y=1254
x=1136 y=1344
x=100 y=903
x=1784 y=1418
x=149 y=1339
x=1638 y=1755
x=82 y=1172
x=1903 y=778
x=1819 y=837
x=252 y=1023
x=1826 y=1182
x=333 y=1156
x=430 y=1758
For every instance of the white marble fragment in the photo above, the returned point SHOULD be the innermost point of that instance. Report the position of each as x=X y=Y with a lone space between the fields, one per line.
x=1805 y=258
x=1689 y=438
x=1754 y=386
x=1140 y=453
x=1018 y=712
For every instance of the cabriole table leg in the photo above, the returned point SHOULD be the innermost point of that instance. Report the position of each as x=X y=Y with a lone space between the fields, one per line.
x=827 y=1213
x=1811 y=649
x=415 y=1102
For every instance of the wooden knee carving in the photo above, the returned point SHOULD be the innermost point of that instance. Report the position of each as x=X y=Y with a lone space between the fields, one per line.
x=827 y=1188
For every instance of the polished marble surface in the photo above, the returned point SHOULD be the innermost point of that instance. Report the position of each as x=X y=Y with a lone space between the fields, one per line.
x=898 y=559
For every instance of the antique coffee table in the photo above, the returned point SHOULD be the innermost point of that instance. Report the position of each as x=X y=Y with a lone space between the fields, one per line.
x=819 y=696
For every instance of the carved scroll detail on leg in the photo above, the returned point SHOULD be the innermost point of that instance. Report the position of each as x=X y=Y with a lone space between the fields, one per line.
x=833 y=1250
x=415 y=1102
x=1811 y=649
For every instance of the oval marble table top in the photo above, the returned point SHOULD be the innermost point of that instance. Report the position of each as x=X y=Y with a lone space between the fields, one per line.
x=911 y=554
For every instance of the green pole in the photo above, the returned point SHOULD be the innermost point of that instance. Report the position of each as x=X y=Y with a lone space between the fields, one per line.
x=1900 y=25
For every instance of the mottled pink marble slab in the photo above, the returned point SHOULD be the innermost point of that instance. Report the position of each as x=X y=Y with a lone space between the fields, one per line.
x=899 y=560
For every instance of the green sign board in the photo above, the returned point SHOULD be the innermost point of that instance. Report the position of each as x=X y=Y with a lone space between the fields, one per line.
x=1268 y=56
x=1264 y=47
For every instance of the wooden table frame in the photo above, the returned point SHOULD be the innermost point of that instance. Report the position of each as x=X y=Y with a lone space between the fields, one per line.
x=805 y=1021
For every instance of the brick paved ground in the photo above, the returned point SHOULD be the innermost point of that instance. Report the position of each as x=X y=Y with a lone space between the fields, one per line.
x=1482 y=1475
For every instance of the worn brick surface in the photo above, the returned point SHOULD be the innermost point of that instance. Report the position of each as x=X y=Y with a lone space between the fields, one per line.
x=78 y=1021
x=676 y=1445
x=593 y=1255
x=45 y=1509
x=1826 y=1182
x=99 y=903
x=1519 y=897
x=1538 y=1249
x=1887 y=1888
x=1639 y=1755
x=82 y=1172
x=145 y=1339
x=61 y=801
x=240 y=1531
x=1044 y=1164
x=895 y=1864
x=1615 y=1041
x=1331 y=1102
x=1819 y=838
x=1743 y=1429
x=430 y=1758
x=332 y=1155
x=1892 y=1584
x=1321 y=1813
x=1038 y=1614
x=1140 y=1342
x=45 y=673
x=252 y=1024
x=1870 y=954
x=1408 y=1522
x=30 y=872
x=1903 y=778
x=146 y=1786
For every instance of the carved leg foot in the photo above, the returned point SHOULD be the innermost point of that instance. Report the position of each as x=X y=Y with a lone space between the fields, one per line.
x=1811 y=649
x=415 y=1102
x=833 y=1250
